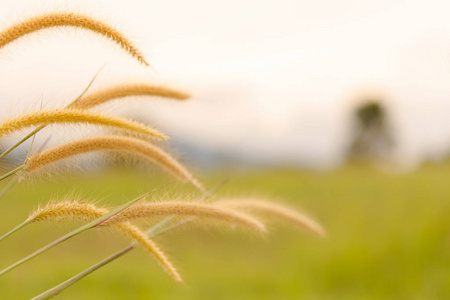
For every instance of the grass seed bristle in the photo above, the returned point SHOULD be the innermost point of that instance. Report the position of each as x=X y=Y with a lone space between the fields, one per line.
x=190 y=209
x=127 y=90
x=71 y=210
x=68 y=116
x=275 y=210
x=69 y=19
x=112 y=143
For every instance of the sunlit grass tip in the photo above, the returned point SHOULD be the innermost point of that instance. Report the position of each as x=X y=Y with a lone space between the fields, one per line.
x=274 y=210
x=127 y=90
x=74 y=116
x=69 y=19
x=187 y=209
x=129 y=145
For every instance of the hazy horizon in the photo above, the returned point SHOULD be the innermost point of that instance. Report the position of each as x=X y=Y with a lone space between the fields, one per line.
x=272 y=82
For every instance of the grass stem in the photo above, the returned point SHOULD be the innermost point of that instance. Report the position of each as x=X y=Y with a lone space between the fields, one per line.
x=26 y=222
x=53 y=292
x=12 y=172
x=22 y=140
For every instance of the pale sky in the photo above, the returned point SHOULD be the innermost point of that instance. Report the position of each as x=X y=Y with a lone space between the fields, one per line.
x=272 y=81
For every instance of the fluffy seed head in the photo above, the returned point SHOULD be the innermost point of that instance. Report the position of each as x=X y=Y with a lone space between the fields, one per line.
x=69 y=116
x=69 y=19
x=191 y=209
x=142 y=239
x=112 y=143
x=75 y=210
x=127 y=90
x=70 y=210
x=274 y=210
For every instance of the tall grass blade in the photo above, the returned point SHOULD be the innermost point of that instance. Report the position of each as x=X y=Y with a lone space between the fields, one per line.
x=12 y=172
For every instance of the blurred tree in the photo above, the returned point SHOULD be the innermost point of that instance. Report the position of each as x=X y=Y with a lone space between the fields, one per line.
x=372 y=135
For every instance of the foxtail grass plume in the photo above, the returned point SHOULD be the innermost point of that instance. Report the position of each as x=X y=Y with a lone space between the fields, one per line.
x=69 y=19
x=76 y=210
x=129 y=145
x=186 y=209
x=274 y=210
x=71 y=116
x=127 y=90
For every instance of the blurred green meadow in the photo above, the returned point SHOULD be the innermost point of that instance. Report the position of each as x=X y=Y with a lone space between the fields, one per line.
x=389 y=238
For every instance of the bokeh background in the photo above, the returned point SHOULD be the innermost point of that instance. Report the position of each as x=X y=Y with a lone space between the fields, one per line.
x=338 y=107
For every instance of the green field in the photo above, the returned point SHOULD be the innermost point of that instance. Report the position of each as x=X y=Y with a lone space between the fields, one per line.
x=389 y=238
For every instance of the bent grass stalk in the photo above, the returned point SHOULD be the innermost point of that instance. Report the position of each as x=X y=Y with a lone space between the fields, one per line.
x=129 y=145
x=69 y=19
x=40 y=127
x=159 y=227
x=67 y=116
x=275 y=210
x=179 y=208
x=127 y=90
x=71 y=234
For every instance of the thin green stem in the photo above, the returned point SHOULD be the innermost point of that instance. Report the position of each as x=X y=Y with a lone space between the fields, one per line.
x=159 y=225
x=23 y=224
x=22 y=141
x=26 y=222
x=12 y=172
x=182 y=222
x=88 y=86
x=53 y=292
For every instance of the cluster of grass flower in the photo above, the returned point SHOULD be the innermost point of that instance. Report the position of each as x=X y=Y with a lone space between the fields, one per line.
x=132 y=139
